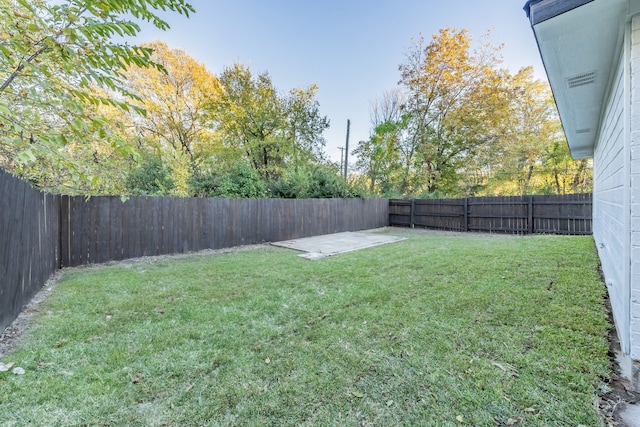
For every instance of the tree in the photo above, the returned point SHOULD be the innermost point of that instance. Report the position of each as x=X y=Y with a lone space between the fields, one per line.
x=533 y=125
x=268 y=129
x=99 y=166
x=54 y=56
x=455 y=105
x=460 y=125
x=532 y=155
x=379 y=157
x=249 y=117
x=305 y=125
x=237 y=180
x=150 y=178
x=177 y=101
x=313 y=181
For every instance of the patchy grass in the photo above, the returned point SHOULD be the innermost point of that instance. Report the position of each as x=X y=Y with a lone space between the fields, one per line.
x=436 y=330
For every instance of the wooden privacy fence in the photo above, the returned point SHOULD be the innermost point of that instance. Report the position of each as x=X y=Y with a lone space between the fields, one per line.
x=29 y=243
x=557 y=214
x=105 y=228
x=40 y=232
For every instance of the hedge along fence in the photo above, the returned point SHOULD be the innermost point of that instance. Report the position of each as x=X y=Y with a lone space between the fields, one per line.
x=29 y=243
x=105 y=228
x=40 y=232
x=556 y=214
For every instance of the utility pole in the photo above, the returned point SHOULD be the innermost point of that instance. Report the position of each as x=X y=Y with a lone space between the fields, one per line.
x=341 y=159
x=346 y=151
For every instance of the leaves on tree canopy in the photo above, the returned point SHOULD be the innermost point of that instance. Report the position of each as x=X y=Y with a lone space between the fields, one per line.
x=461 y=125
x=54 y=56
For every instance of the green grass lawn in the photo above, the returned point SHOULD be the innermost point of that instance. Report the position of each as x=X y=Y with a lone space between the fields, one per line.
x=435 y=330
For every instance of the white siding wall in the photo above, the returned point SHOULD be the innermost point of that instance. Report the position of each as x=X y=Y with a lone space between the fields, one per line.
x=635 y=188
x=609 y=207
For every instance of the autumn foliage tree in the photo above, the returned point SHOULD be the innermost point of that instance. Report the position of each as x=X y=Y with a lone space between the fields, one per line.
x=268 y=128
x=533 y=155
x=176 y=125
x=467 y=127
x=176 y=100
x=60 y=60
x=452 y=93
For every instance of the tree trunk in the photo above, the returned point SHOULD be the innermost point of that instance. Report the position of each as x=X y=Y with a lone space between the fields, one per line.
x=578 y=175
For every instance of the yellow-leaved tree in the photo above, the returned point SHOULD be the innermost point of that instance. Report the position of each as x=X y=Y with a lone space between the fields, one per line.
x=532 y=156
x=178 y=124
x=455 y=107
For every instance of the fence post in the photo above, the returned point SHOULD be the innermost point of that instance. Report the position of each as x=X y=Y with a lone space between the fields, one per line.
x=413 y=208
x=530 y=223
x=466 y=214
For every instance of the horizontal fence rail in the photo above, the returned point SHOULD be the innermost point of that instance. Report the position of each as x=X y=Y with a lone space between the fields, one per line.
x=553 y=214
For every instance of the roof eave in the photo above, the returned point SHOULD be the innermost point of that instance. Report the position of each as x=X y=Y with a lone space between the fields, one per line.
x=579 y=42
x=541 y=10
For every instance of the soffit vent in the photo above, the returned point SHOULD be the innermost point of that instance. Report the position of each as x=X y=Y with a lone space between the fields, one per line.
x=581 y=79
x=585 y=130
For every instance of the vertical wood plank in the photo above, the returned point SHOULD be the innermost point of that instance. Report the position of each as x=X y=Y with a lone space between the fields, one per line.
x=465 y=224
x=530 y=215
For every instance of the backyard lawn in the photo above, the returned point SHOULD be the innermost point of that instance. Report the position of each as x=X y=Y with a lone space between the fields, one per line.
x=440 y=329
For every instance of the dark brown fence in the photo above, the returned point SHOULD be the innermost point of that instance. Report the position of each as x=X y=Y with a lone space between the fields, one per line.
x=557 y=214
x=29 y=243
x=105 y=228
x=40 y=232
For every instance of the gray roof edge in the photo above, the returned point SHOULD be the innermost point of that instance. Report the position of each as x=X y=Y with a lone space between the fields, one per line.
x=540 y=10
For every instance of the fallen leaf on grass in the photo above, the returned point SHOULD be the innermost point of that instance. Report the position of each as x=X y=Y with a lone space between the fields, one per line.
x=45 y=364
x=5 y=367
x=137 y=378
x=18 y=371
x=60 y=343
x=510 y=369
x=389 y=402
x=267 y=360
x=459 y=419
x=356 y=393
x=529 y=410
x=189 y=387
x=512 y=421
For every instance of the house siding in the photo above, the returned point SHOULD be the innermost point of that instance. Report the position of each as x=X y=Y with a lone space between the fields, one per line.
x=609 y=204
x=634 y=162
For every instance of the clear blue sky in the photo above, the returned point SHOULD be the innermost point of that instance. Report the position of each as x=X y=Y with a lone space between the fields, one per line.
x=350 y=48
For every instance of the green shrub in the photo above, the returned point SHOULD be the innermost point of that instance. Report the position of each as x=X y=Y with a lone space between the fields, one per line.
x=317 y=181
x=239 y=181
x=150 y=178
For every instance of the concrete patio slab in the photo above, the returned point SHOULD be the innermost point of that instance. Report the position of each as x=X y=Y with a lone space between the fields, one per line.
x=630 y=414
x=318 y=247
